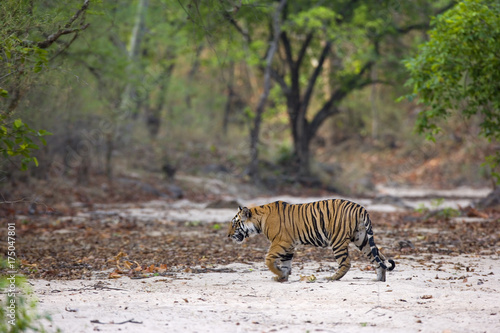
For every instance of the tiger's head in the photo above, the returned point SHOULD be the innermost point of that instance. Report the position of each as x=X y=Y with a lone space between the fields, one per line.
x=240 y=227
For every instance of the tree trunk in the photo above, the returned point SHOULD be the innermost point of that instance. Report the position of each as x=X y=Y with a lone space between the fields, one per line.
x=254 y=133
x=373 y=102
x=153 y=112
x=298 y=104
x=191 y=75
x=109 y=153
x=303 y=154
x=299 y=126
x=230 y=97
x=132 y=54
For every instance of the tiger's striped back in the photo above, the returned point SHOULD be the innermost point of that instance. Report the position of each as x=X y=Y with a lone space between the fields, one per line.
x=321 y=223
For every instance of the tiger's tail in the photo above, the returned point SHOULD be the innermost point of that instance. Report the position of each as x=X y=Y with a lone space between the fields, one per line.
x=373 y=247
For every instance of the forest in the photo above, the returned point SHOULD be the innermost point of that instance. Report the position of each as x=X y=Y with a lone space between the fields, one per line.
x=316 y=96
x=135 y=129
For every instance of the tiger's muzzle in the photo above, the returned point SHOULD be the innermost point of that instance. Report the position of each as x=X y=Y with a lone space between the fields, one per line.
x=238 y=236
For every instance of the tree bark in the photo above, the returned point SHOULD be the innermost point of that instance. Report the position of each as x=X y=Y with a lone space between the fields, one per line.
x=192 y=73
x=132 y=54
x=254 y=133
x=230 y=97
x=373 y=102
x=153 y=112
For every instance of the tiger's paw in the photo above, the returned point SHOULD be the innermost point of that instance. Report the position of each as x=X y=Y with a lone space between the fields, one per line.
x=280 y=279
x=332 y=278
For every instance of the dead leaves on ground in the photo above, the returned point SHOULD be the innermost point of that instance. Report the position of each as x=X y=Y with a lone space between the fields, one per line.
x=79 y=248
x=133 y=269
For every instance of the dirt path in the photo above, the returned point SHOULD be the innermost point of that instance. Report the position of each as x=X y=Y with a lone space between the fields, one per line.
x=447 y=277
x=442 y=294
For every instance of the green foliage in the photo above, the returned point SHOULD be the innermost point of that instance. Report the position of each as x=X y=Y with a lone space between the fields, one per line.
x=16 y=139
x=448 y=213
x=17 y=312
x=422 y=208
x=191 y=55
x=436 y=203
x=284 y=155
x=445 y=213
x=458 y=69
x=313 y=18
x=25 y=26
x=18 y=54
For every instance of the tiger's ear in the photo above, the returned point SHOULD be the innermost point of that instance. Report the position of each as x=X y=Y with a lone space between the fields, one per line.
x=239 y=208
x=247 y=212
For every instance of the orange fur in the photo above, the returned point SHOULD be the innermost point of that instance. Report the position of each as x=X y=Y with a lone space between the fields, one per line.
x=330 y=223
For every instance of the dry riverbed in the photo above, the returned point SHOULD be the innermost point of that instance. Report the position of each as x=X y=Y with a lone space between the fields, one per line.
x=423 y=294
x=168 y=266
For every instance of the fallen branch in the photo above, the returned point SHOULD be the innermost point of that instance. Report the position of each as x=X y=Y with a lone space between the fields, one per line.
x=96 y=321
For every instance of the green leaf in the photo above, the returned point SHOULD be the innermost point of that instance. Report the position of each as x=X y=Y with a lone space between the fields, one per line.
x=18 y=123
x=38 y=67
x=9 y=143
x=43 y=132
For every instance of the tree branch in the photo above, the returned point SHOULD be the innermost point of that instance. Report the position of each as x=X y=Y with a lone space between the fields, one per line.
x=233 y=22
x=84 y=7
x=254 y=135
x=445 y=8
x=416 y=26
x=65 y=47
x=315 y=75
x=288 y=50
x=281 y=81
x=330 y=107
x=326 y=111
x=423 y=25
x=303 y=49
x=55 y=36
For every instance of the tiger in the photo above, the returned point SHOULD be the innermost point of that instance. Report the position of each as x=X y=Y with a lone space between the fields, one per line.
x=330 y=223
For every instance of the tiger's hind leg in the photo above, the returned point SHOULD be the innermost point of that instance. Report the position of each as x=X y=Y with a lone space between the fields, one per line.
x=341 y=254
x=361 y=240
x=284 y=253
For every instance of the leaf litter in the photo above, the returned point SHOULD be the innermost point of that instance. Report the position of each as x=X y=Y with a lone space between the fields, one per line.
x=76 y=247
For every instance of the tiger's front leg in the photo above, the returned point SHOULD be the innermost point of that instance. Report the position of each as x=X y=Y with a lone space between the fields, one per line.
x=284 y=253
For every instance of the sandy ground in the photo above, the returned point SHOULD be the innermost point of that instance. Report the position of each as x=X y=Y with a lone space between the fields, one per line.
x=438 y=294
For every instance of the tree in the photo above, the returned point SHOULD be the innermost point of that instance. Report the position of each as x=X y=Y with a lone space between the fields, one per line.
x=28 y=34
x=326 y=52
x=254 y=133
x=458 y=69
x=130 y=67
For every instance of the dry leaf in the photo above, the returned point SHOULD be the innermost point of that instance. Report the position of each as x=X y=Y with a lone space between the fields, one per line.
x=472 y=212
x=128 y=264
x=120 y=255
x=308 y=278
